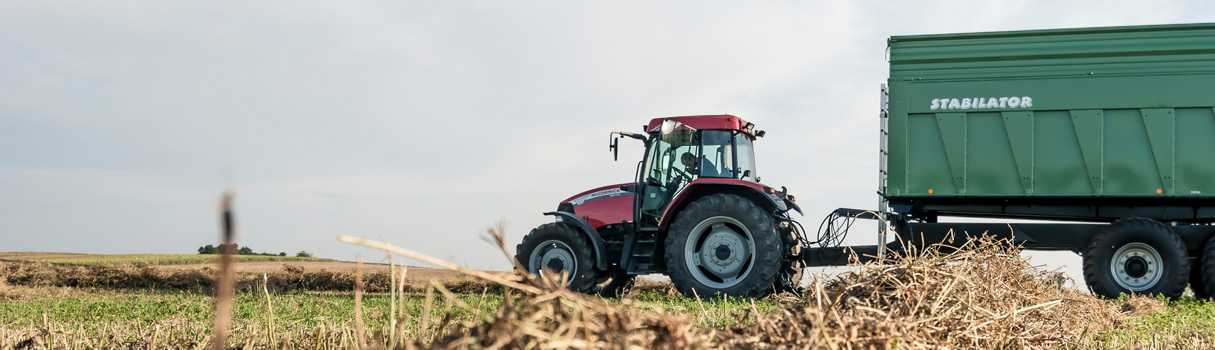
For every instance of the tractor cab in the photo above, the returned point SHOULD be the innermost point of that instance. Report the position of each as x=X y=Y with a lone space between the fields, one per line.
x=678 y=154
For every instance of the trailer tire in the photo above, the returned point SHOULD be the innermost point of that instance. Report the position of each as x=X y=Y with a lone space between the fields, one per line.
x=1137 y=255
x=723 y=244
x=1197 y=286
x=1203 y=280
x=562 y=247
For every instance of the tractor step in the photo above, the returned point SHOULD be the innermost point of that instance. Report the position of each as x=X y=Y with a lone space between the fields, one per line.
x=643 y=253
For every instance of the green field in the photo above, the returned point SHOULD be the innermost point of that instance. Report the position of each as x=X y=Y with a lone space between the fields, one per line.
x=1187 y=323
x=159 y=319
x=152 y=259
x=985 y=298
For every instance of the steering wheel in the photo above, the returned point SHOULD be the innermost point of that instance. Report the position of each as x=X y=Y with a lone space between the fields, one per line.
x=680 y=174
x=677 y=177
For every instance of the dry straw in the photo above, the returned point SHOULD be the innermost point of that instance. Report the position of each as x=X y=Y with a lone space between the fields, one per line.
x=984 y=296
x=223 y=297
x=981 y=296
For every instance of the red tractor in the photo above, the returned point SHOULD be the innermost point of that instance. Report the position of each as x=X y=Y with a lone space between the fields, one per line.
x=696 y=211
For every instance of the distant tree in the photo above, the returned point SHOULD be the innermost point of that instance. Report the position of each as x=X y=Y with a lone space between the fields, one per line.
x=238 y=250
x=303 y=254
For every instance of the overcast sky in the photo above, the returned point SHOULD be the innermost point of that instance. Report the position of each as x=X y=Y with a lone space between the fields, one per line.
x=425 y=122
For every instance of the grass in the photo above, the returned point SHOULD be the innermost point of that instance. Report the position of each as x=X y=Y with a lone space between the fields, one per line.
x=158 y=318
x=713 y=313
x=1187 y=323
x=64 y=305
x=152 y=259
x=134 y=316
x=98 y=308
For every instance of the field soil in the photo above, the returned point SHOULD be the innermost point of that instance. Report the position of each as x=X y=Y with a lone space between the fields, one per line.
x=190 y=272
x=413 y=272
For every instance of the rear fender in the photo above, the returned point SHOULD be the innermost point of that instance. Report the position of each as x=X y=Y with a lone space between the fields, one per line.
x=591 y=235
x=706 y=186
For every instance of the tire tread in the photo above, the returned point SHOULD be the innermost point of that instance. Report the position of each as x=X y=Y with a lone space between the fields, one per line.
x=1096 y=273
x=766 y=266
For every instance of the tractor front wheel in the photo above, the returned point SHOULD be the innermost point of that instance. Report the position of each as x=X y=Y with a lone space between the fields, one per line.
x=723 y=244
x=561 y=250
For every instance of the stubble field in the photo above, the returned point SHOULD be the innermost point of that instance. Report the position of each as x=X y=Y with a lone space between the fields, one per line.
x=986 y=298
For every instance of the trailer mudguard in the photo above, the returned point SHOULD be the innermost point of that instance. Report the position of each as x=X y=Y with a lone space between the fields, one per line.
x=591 y=235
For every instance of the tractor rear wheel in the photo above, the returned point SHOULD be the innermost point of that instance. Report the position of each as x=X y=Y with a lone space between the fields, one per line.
x=1137 y=255
x=723 y=244
x=559 y=249
x=791 y=264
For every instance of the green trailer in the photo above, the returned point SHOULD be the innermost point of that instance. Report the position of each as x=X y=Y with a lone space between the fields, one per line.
x=1107 y=132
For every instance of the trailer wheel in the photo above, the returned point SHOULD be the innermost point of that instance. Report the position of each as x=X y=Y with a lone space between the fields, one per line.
x=1196 y=284
x=723 y=244
x=562 y=249
x=1137 y=255
x=1202 y=281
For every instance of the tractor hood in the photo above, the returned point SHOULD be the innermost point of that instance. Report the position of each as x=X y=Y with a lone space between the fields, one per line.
x=608 y=191
x=601 y=206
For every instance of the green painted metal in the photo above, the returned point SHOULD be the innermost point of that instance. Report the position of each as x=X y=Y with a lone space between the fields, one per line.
x=1159 y=124
x=953 y=137
x=1020 y=129
x=1094 y=112
x=1088 y=126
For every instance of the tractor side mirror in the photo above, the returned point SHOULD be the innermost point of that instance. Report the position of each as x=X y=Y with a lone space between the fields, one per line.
x=745 y=174
x=614 y=147
x=614 y=142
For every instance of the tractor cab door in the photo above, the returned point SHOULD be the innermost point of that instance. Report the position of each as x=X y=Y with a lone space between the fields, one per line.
x=670 y=164
x=677 y=156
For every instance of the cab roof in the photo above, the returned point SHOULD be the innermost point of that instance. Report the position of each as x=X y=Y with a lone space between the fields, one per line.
x=703 y=122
